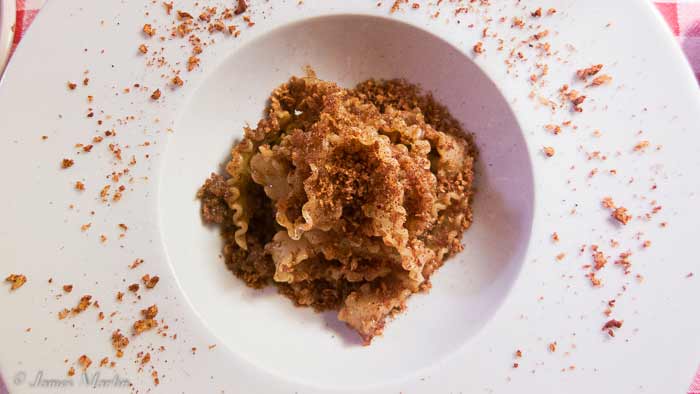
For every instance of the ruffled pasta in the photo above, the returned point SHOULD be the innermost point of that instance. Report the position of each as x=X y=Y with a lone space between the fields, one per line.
x=346 y=199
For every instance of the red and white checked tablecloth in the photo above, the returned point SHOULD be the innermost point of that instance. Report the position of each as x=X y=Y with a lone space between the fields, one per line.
x=683 y=16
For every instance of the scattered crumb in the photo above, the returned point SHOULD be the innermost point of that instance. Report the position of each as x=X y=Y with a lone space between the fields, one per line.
x=610 y=325
x=620 y=214
x=119 y=342
x=84 y=362
x=584 y=73
x=601 y=80
x=641 y=146
x=67 y=163
x=17 y=280
x=136 y=263
x=149 y=30
x=241 y=7
x=150 y=282
x=144 y=325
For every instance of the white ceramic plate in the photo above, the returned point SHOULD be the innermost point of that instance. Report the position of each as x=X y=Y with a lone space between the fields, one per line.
x=506 y=291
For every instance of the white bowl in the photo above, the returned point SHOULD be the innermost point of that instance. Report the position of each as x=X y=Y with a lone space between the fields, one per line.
x=266 y=328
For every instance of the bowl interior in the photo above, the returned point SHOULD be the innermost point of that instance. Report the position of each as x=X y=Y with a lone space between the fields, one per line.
x=265 y=328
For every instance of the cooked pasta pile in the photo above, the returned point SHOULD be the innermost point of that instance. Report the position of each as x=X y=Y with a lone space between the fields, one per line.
x=346 y=199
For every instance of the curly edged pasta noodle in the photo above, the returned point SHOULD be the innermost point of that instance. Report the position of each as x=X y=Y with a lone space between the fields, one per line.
x=346 y=199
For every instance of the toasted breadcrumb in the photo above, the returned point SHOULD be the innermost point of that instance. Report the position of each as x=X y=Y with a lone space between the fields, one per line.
x=548 y=151
x=67 y=163
x=584 y=73
x=641 y=146
x=83 y=304
x=149 y=30
x=17 y=280
x=599 y=260
x=150 y=312
x=608 y=203
x=241 y=7
x=62 y=314
x=620 y=214
x=150 y=282
x=601 y=80
x=84 y=362
x=192 y=63
x=144 y=325
x=611 y=325
x=119 y=342
x=479 y=47
x=136 y=263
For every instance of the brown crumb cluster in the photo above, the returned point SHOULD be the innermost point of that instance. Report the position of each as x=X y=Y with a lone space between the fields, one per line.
x=611 y=325
x=67 y=163
x=119 y=342
x=84 y=362
x=621 y=215
x=17 y=280
x=150 y=281
x=345 y=199
x=584 y=73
